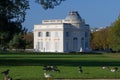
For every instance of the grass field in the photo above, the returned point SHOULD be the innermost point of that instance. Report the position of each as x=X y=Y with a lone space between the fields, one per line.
x=30 y=66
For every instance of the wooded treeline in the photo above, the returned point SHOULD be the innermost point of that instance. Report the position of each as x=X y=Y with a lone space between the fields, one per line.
x=107 y=38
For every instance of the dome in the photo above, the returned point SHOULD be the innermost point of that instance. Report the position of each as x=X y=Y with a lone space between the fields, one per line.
x=73 y=15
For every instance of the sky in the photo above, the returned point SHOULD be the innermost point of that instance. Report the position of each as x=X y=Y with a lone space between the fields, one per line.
x=97 y=13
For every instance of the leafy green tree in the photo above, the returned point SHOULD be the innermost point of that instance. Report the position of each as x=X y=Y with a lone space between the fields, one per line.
x=12 y=15
x=115 y=35
x=3 y=36
x=49 y=4
x=17 y=42
x=29 y=40
x=100 y=39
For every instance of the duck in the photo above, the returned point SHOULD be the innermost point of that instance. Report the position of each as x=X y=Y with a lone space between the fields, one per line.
x=6 y=72
x=47 y=76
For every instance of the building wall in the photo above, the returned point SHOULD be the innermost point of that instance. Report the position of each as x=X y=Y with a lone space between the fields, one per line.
x=72 y=43
x=52 y=43
x=78 y=39
x=63 y=38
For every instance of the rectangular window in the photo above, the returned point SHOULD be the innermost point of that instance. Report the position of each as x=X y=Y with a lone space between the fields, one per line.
x=47 y=34
x=39 y=34
x=56 y=34
x=86 y=34
x=67 y=46
x=67 y=34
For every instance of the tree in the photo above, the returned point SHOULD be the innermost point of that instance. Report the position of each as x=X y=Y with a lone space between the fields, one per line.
x=29 y=40
x=47 y=4
x=12 y=15
x=17 y=42
x=3 y=36
x=99 y=39
x=115 y=35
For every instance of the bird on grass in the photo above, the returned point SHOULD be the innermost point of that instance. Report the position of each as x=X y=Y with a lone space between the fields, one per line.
x=6 y=72
x=80 y=69
x=48 y=76
x=114 y=69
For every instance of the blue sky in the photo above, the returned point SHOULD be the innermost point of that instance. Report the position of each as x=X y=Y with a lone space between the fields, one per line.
x=97 y=13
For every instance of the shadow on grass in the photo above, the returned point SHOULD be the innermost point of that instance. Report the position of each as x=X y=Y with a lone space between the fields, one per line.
x=29 y=62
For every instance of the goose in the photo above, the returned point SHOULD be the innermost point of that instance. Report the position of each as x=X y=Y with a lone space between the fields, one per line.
x=114 y=69
x=6 y=72
x=48 y=76
x=80 y=69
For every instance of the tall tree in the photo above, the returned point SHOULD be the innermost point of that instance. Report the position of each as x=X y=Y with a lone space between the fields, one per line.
x=12 y=15
x=29 y=40
x=99 y=39
x=18 y=42
x=3 y=36
x=115 y=35
x=49 y=4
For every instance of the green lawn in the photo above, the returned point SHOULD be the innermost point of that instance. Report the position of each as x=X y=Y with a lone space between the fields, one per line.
x=30 y=66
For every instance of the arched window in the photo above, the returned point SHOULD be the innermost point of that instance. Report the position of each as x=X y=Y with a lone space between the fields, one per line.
x=47 y=46
x=75 y=43
x=82 y=42
x=56 y=46
x=40 y=45
x=86 y=44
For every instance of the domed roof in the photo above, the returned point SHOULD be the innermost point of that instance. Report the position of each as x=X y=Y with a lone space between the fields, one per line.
x=73 y=15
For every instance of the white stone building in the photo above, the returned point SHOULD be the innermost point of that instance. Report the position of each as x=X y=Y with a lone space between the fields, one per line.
x=71 y=34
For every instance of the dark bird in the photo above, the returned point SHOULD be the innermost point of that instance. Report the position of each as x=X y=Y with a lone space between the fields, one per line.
x=80 y=69
x=6 y=72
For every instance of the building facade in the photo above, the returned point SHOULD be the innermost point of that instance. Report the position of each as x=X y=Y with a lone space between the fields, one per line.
x=71 y=34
